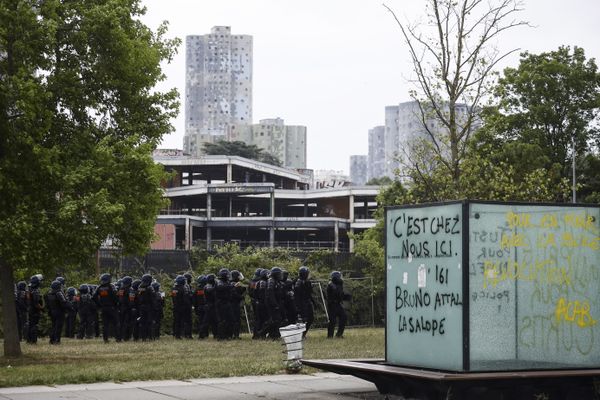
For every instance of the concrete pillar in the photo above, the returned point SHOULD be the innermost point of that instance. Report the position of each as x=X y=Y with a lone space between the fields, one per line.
x=186 y=235
x=336 y=232
x=272 y=205
x=306 y=209
x=351 y=209
x=229 y=173
x=190 y=177
x=208 y=206
x=230 y=207
x=271 y=237
x=351 y=243
x=208 y=238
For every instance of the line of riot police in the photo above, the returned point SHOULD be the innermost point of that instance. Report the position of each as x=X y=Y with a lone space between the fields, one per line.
x=133 y=309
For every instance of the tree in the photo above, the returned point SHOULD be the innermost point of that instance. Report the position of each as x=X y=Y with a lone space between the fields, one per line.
x=381 y=181
x=79 y=118
x=550 y=101
x=241 y=149
x=454 y=55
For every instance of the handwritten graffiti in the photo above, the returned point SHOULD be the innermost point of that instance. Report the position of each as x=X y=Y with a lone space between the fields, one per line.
x=574 y=312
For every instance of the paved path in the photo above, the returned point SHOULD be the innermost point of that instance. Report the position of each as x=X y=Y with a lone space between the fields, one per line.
x=328 y=386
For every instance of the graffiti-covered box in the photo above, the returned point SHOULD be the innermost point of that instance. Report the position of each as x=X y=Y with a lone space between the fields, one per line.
x=482 y=286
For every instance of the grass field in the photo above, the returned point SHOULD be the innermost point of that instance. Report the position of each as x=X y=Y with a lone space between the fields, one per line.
x=76 y=361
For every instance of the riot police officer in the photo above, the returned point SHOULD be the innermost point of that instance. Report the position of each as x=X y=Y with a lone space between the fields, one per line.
x=261 y=304
x=35 y=305
x=289 y=304
x=71 y=316
x=303 y=297
x=187 y=312
x=252 y=293
x=159 y=306
x=210 y=317
x=126 y=306
x=135 y=326
x=57 y=305
x=199 y=302
x=146 y=304
x=86 y=308
x=106 y=298
x=237 y=300
x=335 y=297
x=274 y=303
x=181 y=300
x=21 y=304
x=223 y=305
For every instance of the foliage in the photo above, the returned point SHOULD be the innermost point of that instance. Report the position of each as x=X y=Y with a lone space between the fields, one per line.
x=381 y=181
x=238 y=148
x=79 y=118
x=548 y=100
x=454 y=55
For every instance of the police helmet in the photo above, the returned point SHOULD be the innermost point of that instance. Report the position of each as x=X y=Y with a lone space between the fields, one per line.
x=55 y=285
x=22 y=285
x=71 y=291
x=236 y=275
x=61 y=280
x=224 y=274
x=303 y=272
x=35 y=281
x=180 y=280
x=83 y=289
x=210 y=278
x=156 y=286
x=336 y=276
x=147 y=279
x=126 y=281
x=188 y=277
x=264 y=273
x=257 y=273
x=201 y=280
x=136 y=284
x=276 y=273
x=284 y=274
x=105 y=278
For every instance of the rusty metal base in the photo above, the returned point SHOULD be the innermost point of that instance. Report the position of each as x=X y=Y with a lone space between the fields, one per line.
x=423 y=384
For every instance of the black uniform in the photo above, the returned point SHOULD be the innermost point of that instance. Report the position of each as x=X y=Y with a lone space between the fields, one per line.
x=289 y=304
x=304 y=301
x=126 y=296
x=237 y=299
x=87 y=310
x=57 y=305
x=187 y=311
x=261 y=307
x=274 y=304
x=181 y=304
x=159 y=306
x=335 y=297
x=223 y=291
x=21 y=304
x=210 y=316
x=199 y=301
x=35 y=305
x=71 y=316
x=146 y=304
x=252 y=293
x=106 y=298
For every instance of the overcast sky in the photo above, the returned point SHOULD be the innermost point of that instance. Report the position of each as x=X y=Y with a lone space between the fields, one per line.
x=333 y=65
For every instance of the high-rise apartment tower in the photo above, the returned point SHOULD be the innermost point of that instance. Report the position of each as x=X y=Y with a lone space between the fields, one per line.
x=218 y=90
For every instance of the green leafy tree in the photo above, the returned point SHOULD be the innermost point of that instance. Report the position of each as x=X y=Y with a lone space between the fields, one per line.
x=381 y=181
x=79 y=118
x=550 y=101
x=241 y=149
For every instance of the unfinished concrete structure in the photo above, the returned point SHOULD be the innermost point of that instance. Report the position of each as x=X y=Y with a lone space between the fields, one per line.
x=221 y=199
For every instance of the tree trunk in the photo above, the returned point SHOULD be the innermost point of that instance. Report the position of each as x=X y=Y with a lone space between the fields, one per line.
x=12 y=346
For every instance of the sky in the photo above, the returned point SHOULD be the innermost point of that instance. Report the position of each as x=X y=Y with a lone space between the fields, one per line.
x=333 y=65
